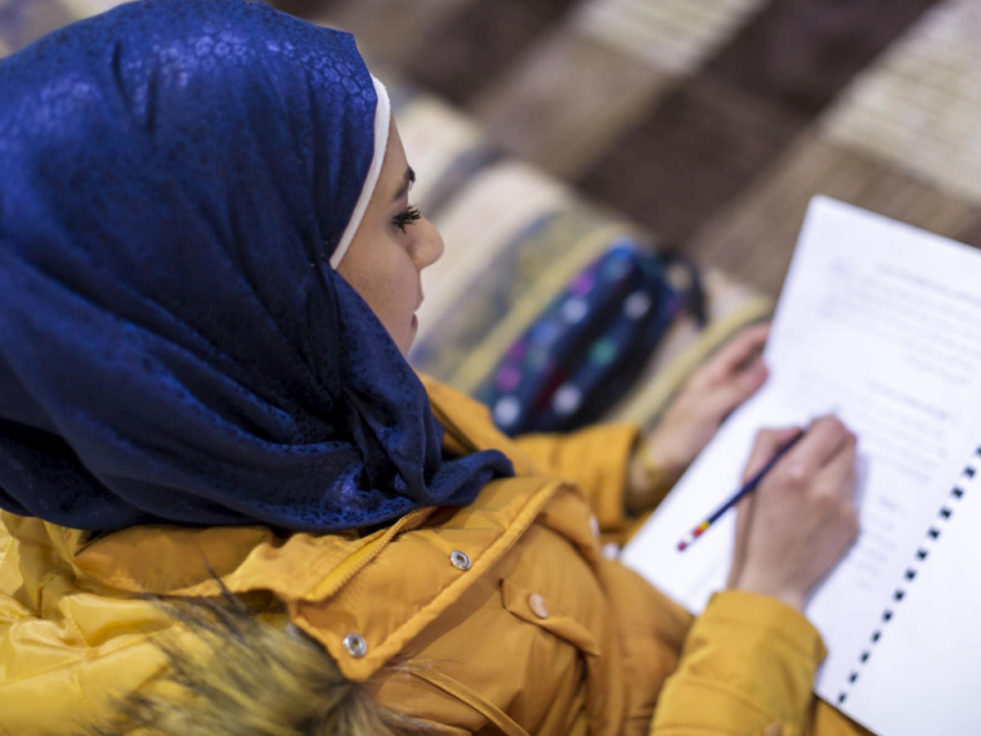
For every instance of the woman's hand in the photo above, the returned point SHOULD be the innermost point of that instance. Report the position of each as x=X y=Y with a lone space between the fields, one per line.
x=801 y=519
x=724 y=382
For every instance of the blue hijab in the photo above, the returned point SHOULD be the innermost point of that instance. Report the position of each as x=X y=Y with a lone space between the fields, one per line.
x=176 y=177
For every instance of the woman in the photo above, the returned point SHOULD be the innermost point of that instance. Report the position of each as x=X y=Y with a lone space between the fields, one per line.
x=210 y=266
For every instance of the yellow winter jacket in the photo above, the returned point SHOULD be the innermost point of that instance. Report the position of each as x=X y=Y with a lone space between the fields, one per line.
x=502 y=617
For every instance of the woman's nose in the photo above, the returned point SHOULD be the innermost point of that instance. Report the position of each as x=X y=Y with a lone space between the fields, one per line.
x=431 y=245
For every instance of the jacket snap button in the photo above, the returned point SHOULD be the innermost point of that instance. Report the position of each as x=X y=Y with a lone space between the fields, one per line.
x=459 y=560
x=355 y=645
x=537 y=605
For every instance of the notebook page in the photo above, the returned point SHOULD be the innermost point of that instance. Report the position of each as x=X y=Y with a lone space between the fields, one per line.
x=879 y=322
x=926 y=651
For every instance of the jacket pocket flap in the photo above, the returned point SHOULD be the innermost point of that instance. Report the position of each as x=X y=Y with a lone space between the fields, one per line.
x=533 y=608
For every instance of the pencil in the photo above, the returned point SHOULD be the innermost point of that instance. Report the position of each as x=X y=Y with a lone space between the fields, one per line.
x=747 y=488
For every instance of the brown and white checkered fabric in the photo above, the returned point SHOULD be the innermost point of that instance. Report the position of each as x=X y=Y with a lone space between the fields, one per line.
x=714 y=122
x=711 y=122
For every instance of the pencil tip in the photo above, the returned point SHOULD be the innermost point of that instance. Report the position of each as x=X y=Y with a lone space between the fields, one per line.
x=682 y=545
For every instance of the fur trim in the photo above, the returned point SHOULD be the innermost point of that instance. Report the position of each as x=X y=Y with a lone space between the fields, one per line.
x=247 y=674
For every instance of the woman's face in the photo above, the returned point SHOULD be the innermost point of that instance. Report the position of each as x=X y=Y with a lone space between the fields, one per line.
x=391 y=247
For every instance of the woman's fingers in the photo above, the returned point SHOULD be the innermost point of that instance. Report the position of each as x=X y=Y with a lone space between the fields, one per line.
x=803 y=514
x=824 y=438
x=827 y=446
x=768 y=442
x=834 y=495
x=744 y=517
x=727 y=396
x=838 y=472
x=734 y=355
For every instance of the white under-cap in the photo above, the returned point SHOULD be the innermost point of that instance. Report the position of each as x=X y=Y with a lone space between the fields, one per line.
x=383 y=118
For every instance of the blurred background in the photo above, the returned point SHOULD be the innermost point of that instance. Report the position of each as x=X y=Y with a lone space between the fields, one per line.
x=711 y=122
x=546 y=130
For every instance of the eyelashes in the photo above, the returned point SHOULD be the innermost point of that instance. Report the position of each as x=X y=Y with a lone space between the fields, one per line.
x=405 y=218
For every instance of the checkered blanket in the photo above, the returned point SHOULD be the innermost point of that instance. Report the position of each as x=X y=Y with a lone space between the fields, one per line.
x=713 y=122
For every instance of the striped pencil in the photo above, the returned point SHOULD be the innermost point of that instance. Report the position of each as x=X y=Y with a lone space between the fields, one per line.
x=738 y=496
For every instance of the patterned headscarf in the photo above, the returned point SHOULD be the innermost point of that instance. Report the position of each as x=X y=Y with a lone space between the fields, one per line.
x=178 y=179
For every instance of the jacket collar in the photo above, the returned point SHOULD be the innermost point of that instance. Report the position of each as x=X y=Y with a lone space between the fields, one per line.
x=325 y=579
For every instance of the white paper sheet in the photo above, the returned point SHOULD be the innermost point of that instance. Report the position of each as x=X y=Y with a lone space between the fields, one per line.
x=880 y=323
x=926 y=654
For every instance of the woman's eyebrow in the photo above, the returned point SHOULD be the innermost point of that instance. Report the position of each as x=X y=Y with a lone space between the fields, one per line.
x=407 y=182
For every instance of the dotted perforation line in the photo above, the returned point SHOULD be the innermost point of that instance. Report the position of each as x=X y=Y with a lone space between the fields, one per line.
x=922 y=553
